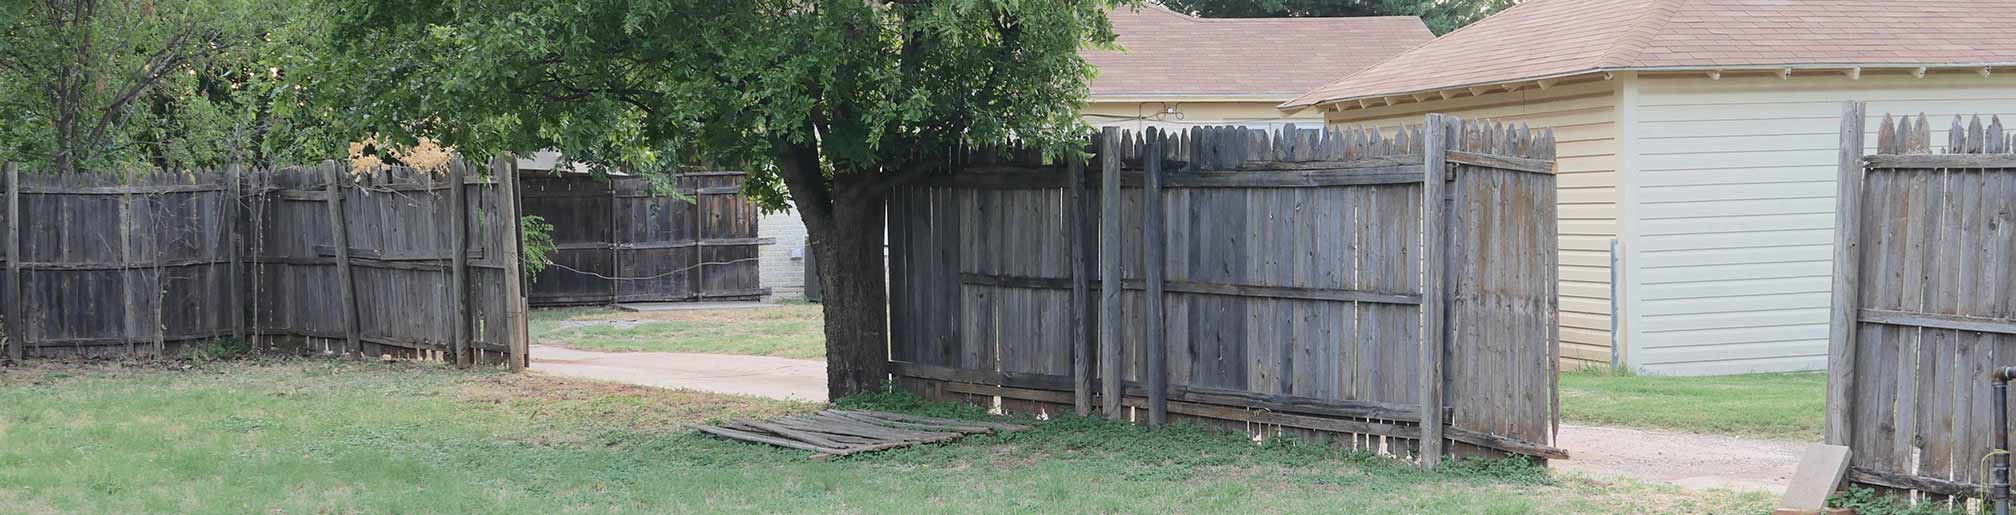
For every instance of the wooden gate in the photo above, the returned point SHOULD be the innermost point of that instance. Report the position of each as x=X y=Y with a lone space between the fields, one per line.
x=1269 y=280
x=1922 y=307
x=619 y=241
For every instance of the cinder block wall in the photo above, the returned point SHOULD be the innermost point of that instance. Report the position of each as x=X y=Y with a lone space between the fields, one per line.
x=783 y=264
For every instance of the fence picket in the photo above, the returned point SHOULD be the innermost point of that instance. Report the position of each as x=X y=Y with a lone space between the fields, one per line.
x=1922 y=244
x=1292 y=274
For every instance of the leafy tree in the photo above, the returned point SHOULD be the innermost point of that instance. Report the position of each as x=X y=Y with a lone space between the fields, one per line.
x=1441 y=16
x=830 y=102
x=98 y=84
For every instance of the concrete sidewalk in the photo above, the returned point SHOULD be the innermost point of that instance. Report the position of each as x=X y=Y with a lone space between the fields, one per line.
x=1692 y=461
x=761 y=376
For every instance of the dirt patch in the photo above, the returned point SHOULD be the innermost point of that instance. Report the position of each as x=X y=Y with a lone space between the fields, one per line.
x=617 y=405
x=760 y=376
x=1693 y=461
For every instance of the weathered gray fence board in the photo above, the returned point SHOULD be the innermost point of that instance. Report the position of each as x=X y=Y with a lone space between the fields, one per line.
x=146 y=264
x=699 y=245
x=1277 y=292
x=1920 y=308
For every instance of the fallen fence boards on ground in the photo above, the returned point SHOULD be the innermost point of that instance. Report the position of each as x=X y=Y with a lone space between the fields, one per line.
x=308 y=259
x=620 y=241
x=1922 y=306
x=1291 y=277
x=844 y=432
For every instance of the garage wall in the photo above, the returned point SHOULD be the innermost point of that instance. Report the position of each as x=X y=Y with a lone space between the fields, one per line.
x=1583 y=116
x=1730 y=208
x=783 y=264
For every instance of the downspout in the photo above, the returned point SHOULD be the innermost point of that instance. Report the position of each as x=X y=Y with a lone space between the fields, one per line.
x=1616 y=276
x=2000 y=469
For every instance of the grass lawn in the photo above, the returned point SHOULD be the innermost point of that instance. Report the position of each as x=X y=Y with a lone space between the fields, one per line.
x=792 y=330
x=1788 y=406
x=324 y=436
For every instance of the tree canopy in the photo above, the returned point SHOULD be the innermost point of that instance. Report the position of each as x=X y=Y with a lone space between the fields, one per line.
x=1441 y=16
x=828 y=103
x=116 y=84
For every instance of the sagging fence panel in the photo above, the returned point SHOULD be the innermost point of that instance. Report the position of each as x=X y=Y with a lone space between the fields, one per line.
x=619 y=241
x=318 y=259
x=1922 y=308
x=1294 y=272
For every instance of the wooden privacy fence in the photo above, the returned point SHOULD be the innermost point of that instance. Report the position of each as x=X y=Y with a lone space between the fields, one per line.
x=316 y=259
x=619 y=241
x=1922 y=308
x=1287 y=281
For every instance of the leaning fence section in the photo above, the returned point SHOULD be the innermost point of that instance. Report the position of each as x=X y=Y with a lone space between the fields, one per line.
x=620 y=240
x=1922 y=310
x=1287 y=281
x=317 y=259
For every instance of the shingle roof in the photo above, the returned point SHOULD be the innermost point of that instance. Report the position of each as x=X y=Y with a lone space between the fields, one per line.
x=1172 y=54
x=1546 y=38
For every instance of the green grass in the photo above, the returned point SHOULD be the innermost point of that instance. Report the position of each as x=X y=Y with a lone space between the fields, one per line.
x=784 y=330
x=322 y=436
x=1778 y=406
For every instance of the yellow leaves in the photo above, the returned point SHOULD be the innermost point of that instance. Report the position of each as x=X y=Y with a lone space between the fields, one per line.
x=428 y=155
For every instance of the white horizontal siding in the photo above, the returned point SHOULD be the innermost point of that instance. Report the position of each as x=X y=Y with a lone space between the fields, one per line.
x=1731 y=188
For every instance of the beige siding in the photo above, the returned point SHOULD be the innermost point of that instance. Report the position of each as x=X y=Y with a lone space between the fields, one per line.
x=1583 y=116
x=1731 y=209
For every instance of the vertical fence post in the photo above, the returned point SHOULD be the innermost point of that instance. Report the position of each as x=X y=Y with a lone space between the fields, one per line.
x=697 y=275
x=15 y=324
x=615 y=249
x=234 y=242
x=504 y=170
x=1081 y=288
x=1156 y=360
x=339 y=236
x=1111 y=360
x=160 y=290
x=458 y=272
x=1434 y=274
x=1847 y=276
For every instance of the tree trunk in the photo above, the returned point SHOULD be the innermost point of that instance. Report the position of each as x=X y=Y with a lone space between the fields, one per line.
x=856 y=303
x=844 y=225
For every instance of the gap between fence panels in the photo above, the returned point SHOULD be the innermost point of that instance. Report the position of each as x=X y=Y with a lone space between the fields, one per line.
x=1294 y=238
x=255 y=254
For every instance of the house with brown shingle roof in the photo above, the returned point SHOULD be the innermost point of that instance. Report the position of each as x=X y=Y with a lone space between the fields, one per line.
x=1697 y=141
x=1177 y=70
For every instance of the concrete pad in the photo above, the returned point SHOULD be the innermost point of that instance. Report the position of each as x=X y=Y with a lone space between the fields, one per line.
x=760 y=376
x=645 y=307
x=1820 y=472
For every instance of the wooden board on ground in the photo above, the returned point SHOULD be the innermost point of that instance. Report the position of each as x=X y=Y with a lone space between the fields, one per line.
x=843 y=432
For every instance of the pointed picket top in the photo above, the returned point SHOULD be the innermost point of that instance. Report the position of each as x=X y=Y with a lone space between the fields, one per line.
x=1921 y=136
x=1993 y=141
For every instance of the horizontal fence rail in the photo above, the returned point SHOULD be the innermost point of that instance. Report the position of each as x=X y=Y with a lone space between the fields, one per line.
x=618 y=241
x=306 y=259
x=1246 y=278
x=1922 y=308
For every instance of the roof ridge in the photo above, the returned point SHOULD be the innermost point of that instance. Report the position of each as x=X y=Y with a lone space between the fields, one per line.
x=1163 y=10
x=1299 y=100
x=1630 y=45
